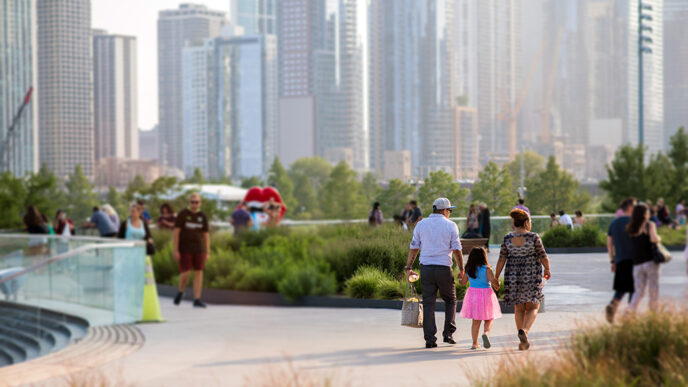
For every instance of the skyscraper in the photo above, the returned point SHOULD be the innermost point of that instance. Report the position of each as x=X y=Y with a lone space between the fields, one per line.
x=115 y=103
x=256 y=17
x=675 y=65
x=228 y=105
x=17 y=76
x=499 y=37
x=412 y=82
x=65 y=85
x=177 y=28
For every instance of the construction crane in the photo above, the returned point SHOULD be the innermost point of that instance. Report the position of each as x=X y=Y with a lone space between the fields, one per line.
x=545 y=135
x=5 y=146
x=510 y=114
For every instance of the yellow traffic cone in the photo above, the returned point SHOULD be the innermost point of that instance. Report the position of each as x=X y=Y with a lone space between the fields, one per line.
x=151 y=304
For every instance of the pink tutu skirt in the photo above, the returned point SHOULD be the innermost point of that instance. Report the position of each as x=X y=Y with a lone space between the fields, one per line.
x=480 y=304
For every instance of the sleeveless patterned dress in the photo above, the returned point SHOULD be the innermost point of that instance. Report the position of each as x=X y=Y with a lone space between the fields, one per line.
x=523 y=272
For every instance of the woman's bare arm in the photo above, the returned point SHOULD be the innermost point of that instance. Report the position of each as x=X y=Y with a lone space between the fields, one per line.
x=500 y=266
x=654 y=237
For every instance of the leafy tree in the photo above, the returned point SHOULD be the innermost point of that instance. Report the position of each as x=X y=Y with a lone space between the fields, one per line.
x=43 y=191
x=115 y=199
x=253 y=181
x=678 y=153
x=81 y=196
x=625 y=176
x=12 y=201
x=394 y=197
x=197 y=177
x=136 y=189
x=305 y=195
x=441 y=184
x=341 y=196
x=554 y=189
x=659 y=177
x=533 y=164
x=316 y=168
x=494 y=188
x=278 y=178
x=370 y=188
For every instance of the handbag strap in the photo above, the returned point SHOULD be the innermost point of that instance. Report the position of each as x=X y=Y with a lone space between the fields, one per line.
x=410 y=290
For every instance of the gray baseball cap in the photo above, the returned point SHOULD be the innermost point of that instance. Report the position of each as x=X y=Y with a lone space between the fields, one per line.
x=442 y=204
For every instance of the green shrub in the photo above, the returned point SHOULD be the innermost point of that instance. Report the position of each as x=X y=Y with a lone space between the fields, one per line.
x=306 y=280
x=364 y=283
x=165 y=267
x=587 y=236
x=461 y=290
x=645 y=350
x=389 y=289
x=672 y=237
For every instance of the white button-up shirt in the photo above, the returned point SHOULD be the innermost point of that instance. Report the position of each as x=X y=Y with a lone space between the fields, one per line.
x=436 y=237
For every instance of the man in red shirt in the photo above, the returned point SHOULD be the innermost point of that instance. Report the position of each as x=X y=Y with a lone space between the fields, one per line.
x=191 y=248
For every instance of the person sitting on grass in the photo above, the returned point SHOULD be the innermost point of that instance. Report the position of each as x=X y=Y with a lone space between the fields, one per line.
x=480 y=303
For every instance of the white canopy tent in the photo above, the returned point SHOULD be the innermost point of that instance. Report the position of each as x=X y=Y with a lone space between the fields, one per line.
x=217 y=192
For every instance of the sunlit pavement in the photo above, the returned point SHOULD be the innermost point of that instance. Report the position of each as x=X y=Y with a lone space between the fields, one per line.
x=239 y=345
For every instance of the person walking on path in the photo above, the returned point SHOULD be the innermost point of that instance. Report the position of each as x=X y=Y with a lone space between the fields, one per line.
x=241 y=219
x=524 y=256
x=134 y=228
x=485 y=228
x=620 y=258
x=191 y=248
x=643 y=234
x=480 y=303
x=437 y=239
x=167 y=218
x=375 y=217
x=102 y=221
x=522 y=206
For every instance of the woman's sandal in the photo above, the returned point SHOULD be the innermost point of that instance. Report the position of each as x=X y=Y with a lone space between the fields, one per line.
x=475 y=347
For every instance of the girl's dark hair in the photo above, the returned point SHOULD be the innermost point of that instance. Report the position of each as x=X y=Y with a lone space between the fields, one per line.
x=637 y=219
x=33 y=217
x=519 y=216
x=477 y=258
x=376 y=205
x=166 y=206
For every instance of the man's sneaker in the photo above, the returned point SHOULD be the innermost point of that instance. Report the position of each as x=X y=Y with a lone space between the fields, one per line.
x=178 y=298
x=430 y=344
x=199 y=304
x=449 y=340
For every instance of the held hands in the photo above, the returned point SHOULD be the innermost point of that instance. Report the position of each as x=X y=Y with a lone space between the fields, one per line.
x=547 y=275
x=461 y=274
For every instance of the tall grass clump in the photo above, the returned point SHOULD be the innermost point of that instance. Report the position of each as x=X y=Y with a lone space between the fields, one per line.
x=587 y=236
x=645 y=350
x=365 y=282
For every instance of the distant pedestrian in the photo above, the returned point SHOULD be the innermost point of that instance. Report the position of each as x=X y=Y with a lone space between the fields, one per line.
x=437 y=239
x=144 y=212
x=485 y=228
x=416 y=214
x=134 y=228
x=472 y=225
x=579 y=220
x=621 y=258
x=680 y=212
x=524 y=256
x=167 y=217
x=101 y=221
x=241 y=219
x=522 y=206
x=34 y=221
x=406 y=213
x=643 y=234
x=273 y=209
x=480 y=303
x=553 y=220
x=565 y=219
x=112 y=214
x=191 y=248
x=399 y=221
x=664 y=215
x=375 y=215
x=63 y=225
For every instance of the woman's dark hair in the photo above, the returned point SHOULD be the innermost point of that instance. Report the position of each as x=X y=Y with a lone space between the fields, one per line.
x=166 y=206
x=57 y=214
x=376 y=206
x=637 y=219
x=33 y=217
x=519 y=216
x=579 y=213
x=477 y=258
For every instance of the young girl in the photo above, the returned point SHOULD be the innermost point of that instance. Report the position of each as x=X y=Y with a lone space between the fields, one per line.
x=480 y=302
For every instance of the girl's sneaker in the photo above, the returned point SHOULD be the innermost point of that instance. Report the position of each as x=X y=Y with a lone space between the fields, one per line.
x=486 y=342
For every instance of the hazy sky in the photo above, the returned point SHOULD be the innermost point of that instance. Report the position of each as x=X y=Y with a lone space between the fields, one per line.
x=139 y=18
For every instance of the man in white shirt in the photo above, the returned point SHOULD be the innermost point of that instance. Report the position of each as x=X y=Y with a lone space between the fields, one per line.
x=437 y=239
x=565 y=219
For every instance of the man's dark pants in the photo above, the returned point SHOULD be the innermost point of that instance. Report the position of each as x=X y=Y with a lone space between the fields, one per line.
x=433 y=278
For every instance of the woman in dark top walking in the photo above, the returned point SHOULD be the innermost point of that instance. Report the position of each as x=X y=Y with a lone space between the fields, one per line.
x=643 y=234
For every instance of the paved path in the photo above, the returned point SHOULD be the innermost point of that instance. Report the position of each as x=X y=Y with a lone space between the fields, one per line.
x=239 y=345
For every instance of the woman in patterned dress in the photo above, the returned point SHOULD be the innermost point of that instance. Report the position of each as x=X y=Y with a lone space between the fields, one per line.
x=524 y=256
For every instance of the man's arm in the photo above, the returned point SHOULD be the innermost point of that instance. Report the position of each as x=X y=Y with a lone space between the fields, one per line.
x=458 y=257
x=411 y=258
x=175 y=243
x=610 y=251
x=206 y=237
